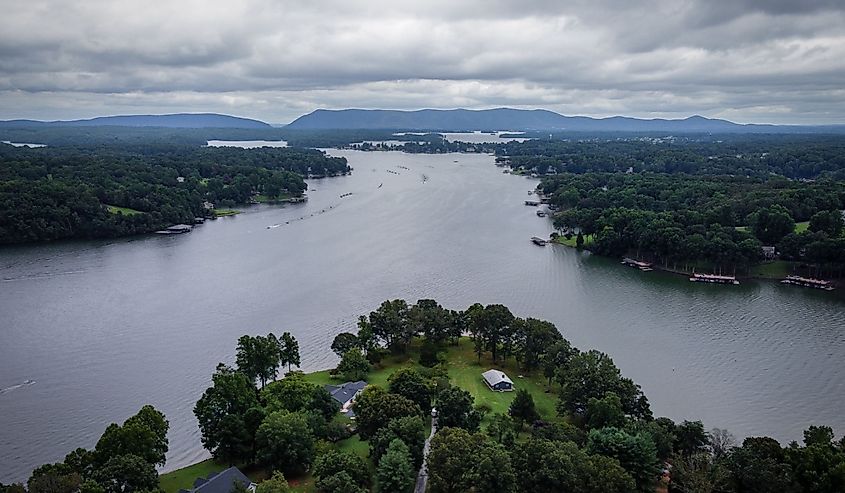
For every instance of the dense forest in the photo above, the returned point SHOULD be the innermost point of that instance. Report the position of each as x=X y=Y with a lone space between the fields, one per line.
x=721 y=221
x=97 y=192
x=574 y=423
x=792 y=156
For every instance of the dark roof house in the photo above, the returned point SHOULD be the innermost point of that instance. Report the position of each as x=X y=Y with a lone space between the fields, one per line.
x=220 y=482
x=497 y=380
x=345 y=394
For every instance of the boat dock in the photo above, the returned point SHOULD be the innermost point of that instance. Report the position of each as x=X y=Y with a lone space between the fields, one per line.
x=713 y=279
x=175 y=230
x=534 y=203
x=808 y=282
x=643 y=266
x=539 y=241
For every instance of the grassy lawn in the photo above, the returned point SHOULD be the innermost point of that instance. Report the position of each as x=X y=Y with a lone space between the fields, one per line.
x=799 y=227
x=226 y=212
x=777 y=269
x=172 y=482
x=588 y=240
x=264 y=199
x=126 y=211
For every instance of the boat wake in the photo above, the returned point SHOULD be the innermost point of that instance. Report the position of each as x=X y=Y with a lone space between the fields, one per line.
x=313 y=214
x=18 y=386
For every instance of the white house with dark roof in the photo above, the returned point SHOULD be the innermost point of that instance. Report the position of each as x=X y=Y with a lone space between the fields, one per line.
x=497 y=380
x=345 y=395
x=221 y=482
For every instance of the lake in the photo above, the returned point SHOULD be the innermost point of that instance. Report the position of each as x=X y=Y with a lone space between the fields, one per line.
x=104 y=327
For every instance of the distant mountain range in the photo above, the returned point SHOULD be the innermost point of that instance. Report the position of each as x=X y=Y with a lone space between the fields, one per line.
x=178 y=120
x=514 y=119
x=439 y=121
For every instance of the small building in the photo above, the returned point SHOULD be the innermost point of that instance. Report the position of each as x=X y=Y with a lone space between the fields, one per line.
x=345 y=395
x=221 y=482
x=497 y=380
x=768 y=252
x=208 y=205
x=180 y=179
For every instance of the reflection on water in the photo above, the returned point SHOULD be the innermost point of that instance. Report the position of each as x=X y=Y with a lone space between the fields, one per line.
x=106 y=327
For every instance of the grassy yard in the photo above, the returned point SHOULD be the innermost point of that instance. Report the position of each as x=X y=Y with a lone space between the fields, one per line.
x=588 y=240
x=799 y=227
x=126 y=211
x=777 y=269
x=172 y=482
x=226 y=212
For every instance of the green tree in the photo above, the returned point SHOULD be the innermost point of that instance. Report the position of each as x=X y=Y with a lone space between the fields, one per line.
x=493 y=470
x=430 y=320
x=343 y=342
x=760 y=465
x=450 y=462
x=285 y=442
x=334 y=462
x=276 y=484
x=338 y=483
x=389 y=323
x=288 y=350
x=353 y=366
x=502 y=429
x=144 y=435
x=292 y=393
x=375 y=408
x=125 y=473
x=409 y=383
x=258 y=357
x=455 y=409
x=522 y=407
x=828 y=222
x=394 y=472
x=231 y=393
x=636 y=453
x=593 y=374
x=690 y=438
x=556 y=358
x=606 y=411
x=532 y=340
x=771 y=224
x=409 y=429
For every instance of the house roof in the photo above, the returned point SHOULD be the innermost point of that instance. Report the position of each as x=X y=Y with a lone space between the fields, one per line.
x=494 y=377
x=345 y=392
x=221 y=482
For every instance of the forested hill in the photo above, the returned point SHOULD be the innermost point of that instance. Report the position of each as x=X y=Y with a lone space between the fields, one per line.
x=516 y=119
x=178 y=120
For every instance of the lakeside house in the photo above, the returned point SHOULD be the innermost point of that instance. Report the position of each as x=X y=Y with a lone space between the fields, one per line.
x=221 y=482
x=345 y=395
x=497 y=380
x=768 y=252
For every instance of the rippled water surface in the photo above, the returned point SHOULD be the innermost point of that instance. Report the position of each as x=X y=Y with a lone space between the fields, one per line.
x=102 y=328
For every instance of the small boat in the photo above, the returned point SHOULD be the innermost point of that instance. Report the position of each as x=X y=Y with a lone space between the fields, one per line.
x=541 y=213
x=538 y=241
x=507 y=171
x=380 y=185
x=533 y=203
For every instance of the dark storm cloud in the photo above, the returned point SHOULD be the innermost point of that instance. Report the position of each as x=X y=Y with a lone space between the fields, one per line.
x=751 y=60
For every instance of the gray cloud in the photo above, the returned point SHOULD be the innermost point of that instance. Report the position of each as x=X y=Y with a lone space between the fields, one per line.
x=749 y=60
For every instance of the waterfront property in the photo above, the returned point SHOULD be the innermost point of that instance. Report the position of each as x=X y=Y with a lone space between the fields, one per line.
x=538 y=241
x=497 y=380
x=221 y=482
x=345 y=395
x=175 y=229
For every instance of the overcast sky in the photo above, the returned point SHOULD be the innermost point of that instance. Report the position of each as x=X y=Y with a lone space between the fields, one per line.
x=780 y=61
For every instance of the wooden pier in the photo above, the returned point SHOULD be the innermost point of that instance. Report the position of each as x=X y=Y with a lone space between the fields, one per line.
x=808 y=282
x=643 y=266
x=713 y=279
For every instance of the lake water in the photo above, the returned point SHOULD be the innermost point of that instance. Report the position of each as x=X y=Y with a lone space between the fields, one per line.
x=482 y=137
x=105 y=327
x=247 y=144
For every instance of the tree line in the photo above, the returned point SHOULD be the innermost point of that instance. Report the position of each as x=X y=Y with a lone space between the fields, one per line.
x=55 y=193
x=791 y=156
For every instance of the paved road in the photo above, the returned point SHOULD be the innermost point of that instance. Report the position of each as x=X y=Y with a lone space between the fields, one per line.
x=422 y=477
